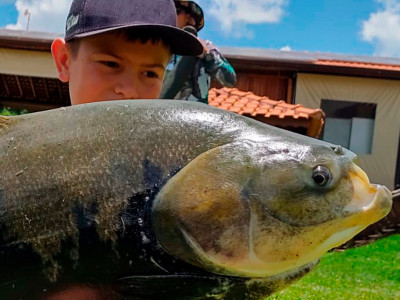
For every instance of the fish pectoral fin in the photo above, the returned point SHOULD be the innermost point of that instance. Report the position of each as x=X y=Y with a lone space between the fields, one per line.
x=174 y=286
x=201 y=214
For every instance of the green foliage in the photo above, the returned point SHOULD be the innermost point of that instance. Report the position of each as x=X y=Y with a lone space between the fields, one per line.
x=6 y=111
x=368 y=272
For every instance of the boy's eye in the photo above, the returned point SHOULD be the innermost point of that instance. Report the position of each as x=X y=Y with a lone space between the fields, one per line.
x=151 y=74
x=110 y=64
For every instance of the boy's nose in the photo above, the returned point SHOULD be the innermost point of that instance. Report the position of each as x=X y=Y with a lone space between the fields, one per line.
x=127 y=89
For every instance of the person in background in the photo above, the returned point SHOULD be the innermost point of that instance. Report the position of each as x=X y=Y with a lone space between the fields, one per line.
x=189 y=78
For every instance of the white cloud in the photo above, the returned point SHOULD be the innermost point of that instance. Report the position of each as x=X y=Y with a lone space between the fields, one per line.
x=286 y=48
x=45 y=15
x=382 y=29
x=234 y=15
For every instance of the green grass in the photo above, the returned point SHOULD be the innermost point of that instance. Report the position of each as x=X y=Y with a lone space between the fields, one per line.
x=5 y=111
x=368 y=272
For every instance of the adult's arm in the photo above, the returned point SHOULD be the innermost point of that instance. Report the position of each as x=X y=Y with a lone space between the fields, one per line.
x=218 y=67
x=176 y=78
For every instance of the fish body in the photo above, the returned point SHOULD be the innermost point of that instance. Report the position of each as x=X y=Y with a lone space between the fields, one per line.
x=170 y=199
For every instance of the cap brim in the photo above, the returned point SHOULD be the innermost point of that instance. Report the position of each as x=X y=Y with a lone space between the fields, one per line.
x=180 y=41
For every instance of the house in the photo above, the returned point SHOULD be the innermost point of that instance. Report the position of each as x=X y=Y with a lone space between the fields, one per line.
x=360 y=95
x=28 y=77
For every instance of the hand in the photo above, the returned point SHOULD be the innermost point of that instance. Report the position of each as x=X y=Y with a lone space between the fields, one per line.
x=205 y=51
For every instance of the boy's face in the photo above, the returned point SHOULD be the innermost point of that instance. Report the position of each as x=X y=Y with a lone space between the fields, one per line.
x=109 y=67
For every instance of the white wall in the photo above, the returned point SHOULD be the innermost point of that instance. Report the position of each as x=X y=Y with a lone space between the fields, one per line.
x=380 y=165
x=27 y=63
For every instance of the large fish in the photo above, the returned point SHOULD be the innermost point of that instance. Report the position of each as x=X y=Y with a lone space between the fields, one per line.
x=170 y=200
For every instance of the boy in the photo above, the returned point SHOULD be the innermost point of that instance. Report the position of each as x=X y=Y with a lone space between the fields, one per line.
x=188 y=78
x=114 y=50
x=119 y=49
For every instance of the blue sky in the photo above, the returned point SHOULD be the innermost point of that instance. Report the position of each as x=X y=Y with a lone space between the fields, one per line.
x=309 y=25
x=365 y=27
x=8 y=13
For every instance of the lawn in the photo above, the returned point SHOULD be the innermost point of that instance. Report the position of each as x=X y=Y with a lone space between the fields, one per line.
x=367 y=272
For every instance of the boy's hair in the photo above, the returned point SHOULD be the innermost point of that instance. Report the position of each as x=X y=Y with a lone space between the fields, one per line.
x=131 y=35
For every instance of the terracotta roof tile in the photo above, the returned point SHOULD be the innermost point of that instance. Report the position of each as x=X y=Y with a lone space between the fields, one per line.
x=356 y=64
x=253 y=104
x=225 y=105
x=247 y=110
x=218 y=100
x=290 y=113
x=262 y=111
x=239 y=104
x=247 y=103
x=212 y=93
x=231 y=100
x=239 y=93
x=275 y=112
x=235 y=109
x=223 y=96
x=243 y=101
x=253 y=97
x=303 y=115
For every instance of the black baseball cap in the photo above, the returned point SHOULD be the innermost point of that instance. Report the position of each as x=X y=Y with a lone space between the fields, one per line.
x=90 y=17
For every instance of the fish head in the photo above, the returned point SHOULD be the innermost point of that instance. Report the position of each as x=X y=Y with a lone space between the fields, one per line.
x=307 y=199
x=261 y=210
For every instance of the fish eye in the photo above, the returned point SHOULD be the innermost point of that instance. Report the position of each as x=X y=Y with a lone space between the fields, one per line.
x=321 y=175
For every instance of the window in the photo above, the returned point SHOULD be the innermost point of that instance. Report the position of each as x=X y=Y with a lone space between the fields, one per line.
x=349 y=124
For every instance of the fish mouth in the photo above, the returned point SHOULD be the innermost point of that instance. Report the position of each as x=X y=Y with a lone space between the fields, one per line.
x=370 y=202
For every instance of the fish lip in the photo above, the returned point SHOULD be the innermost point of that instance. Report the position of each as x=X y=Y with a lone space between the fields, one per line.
x=372 y=199
x=383 y=199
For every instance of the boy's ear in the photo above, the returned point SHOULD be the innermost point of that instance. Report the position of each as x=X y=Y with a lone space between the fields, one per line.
x=61 y=57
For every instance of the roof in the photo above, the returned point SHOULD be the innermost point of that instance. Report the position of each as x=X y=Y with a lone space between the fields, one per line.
x=29 y=40
x=32 y=93
x=304 y=56
x=317 y=62
x=245 y=58
x=273 y=112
